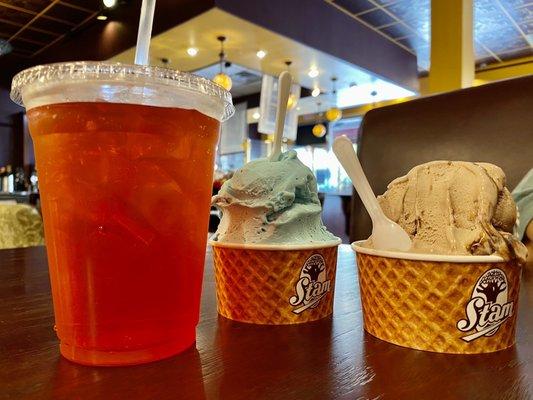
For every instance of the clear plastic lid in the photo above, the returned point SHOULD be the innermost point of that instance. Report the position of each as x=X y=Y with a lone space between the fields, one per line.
x=90 y=81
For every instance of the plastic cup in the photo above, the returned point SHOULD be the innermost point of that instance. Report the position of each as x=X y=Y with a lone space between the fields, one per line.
x=125 y=157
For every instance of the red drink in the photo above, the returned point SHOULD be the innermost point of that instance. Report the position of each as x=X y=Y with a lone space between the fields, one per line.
x=125 y=189
x=125 y=192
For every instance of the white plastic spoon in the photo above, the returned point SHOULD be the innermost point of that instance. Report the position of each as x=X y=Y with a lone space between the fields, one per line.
x=284 y=90
x=386 y=234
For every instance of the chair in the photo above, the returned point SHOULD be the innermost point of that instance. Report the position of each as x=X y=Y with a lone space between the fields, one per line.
x=491 y=123
x=20 y=226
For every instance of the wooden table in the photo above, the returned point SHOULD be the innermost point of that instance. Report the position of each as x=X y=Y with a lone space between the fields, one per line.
x=332 y=358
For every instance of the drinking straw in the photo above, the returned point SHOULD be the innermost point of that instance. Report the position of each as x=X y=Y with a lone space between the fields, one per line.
x=284 y=90
x=145 y=32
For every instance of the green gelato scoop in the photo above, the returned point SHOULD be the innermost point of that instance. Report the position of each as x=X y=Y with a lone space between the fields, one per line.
x=271 y=202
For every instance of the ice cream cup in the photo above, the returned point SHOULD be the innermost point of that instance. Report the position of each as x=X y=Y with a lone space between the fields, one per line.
x=275 y=284
x=440 y=303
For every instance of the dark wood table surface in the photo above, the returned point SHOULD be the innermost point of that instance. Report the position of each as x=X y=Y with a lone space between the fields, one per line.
x=329 y=359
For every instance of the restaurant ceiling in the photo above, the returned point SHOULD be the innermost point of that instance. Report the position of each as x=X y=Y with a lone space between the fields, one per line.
x=243 y=40
x=245 y=81
x=32 y=26
x=503 y=29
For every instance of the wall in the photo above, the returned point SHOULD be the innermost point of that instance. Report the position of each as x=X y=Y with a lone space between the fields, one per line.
x=506 y=70
x=8 y=142
x=491 y=73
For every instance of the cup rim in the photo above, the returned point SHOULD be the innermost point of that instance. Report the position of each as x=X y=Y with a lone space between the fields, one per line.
x=114 y=72
x=358 y=247
x=286 y=247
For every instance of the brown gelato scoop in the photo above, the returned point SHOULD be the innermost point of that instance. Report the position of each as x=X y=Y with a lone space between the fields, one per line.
x=455 y=207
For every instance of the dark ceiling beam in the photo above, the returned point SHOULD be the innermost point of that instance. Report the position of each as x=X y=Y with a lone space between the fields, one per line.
x=323 y=27
x=99 y=40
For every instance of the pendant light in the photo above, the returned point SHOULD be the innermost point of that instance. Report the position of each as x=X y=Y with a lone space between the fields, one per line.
x=221 y=78
x=292 y=101
x=319 y=130
x=333 y=113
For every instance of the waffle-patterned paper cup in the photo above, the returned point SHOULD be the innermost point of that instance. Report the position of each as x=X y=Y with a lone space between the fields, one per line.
x=445 y=304
x=275 y=284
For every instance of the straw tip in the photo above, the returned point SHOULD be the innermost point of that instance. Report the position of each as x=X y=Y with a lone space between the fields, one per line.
x=285 y=75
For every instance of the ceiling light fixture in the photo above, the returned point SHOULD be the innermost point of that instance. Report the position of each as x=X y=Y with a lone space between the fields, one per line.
x=261 y=54
x=192 y=51
x=256 y=115
x=333 y=113
x=319 y=130
x=101 y=17
x=109 y=3
x=221 y=78
x=313 y=72
x=315 y=92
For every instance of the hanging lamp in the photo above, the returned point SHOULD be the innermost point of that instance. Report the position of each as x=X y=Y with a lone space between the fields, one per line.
x=222 y=78
x=319 y=130
x=333 y=113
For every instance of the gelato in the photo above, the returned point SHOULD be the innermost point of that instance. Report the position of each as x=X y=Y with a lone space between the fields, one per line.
x=455 y=207
x=271 y=202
